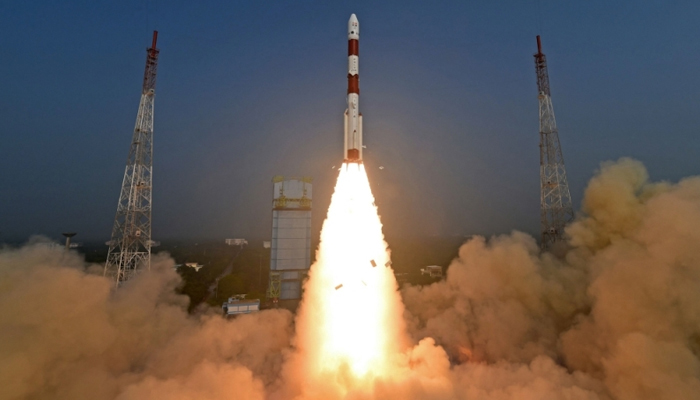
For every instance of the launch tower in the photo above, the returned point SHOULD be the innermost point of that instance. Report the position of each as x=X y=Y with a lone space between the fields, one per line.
x=555 y=208
x=130 y=246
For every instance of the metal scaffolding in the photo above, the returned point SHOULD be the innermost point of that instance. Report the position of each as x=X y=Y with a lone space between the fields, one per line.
x=274 y=290
x=555 y=208
x=130 y=245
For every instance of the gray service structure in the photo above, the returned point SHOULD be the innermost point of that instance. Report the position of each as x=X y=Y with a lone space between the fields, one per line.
x=290 y=249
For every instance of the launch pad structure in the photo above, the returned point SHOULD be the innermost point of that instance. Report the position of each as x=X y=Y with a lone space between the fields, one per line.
x=555 y=198
x=290 y=249
x=130 y=244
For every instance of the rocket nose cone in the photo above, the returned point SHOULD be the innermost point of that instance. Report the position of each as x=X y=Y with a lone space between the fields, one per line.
x=353 y=27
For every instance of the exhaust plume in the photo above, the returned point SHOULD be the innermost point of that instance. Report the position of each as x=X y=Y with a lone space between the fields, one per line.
x=350 y=321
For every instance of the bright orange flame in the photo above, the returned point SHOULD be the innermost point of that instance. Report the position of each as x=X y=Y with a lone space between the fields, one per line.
x=350 y=322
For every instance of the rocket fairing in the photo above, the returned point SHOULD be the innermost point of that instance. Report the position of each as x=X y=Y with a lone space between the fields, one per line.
x=353 y=118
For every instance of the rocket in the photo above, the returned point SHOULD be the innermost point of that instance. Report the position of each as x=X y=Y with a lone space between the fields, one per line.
x=353 y=117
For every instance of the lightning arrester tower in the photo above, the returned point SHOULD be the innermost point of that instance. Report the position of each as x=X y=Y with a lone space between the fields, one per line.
x=555 y=208
x=130 y=246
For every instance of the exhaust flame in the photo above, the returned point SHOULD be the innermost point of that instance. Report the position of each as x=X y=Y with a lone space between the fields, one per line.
x=350 y=319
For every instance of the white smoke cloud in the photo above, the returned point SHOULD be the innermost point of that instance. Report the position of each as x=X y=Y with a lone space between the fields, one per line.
x=615 y=316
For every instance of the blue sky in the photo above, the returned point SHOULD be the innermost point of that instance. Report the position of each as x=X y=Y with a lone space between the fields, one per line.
x=249 y=90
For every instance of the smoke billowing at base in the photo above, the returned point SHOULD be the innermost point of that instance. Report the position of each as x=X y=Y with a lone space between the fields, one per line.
x=612 y=314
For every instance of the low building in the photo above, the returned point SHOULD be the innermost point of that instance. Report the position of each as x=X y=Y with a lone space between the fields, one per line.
x=236 y=242
x=238 y=305
x=435 y=271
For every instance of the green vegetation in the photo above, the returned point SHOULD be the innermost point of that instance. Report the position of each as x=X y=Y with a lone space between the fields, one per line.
x=227 y=270
x=229 y=285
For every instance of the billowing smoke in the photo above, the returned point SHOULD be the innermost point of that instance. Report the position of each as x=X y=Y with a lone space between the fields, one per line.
x=618 y=316
x=64 y=334
x=614 y=315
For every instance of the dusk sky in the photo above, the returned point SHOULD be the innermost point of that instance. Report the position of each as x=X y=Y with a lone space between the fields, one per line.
x=250 y=90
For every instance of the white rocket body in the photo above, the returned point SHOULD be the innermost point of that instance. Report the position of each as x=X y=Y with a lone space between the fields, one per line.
x=353 y=118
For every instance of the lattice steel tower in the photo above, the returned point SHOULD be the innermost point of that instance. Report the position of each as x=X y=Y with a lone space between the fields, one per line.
x=130 y=246
x=555 y=209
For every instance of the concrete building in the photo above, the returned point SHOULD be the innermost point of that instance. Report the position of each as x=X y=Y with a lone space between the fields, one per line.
x=290 y=247
x=238 y=305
